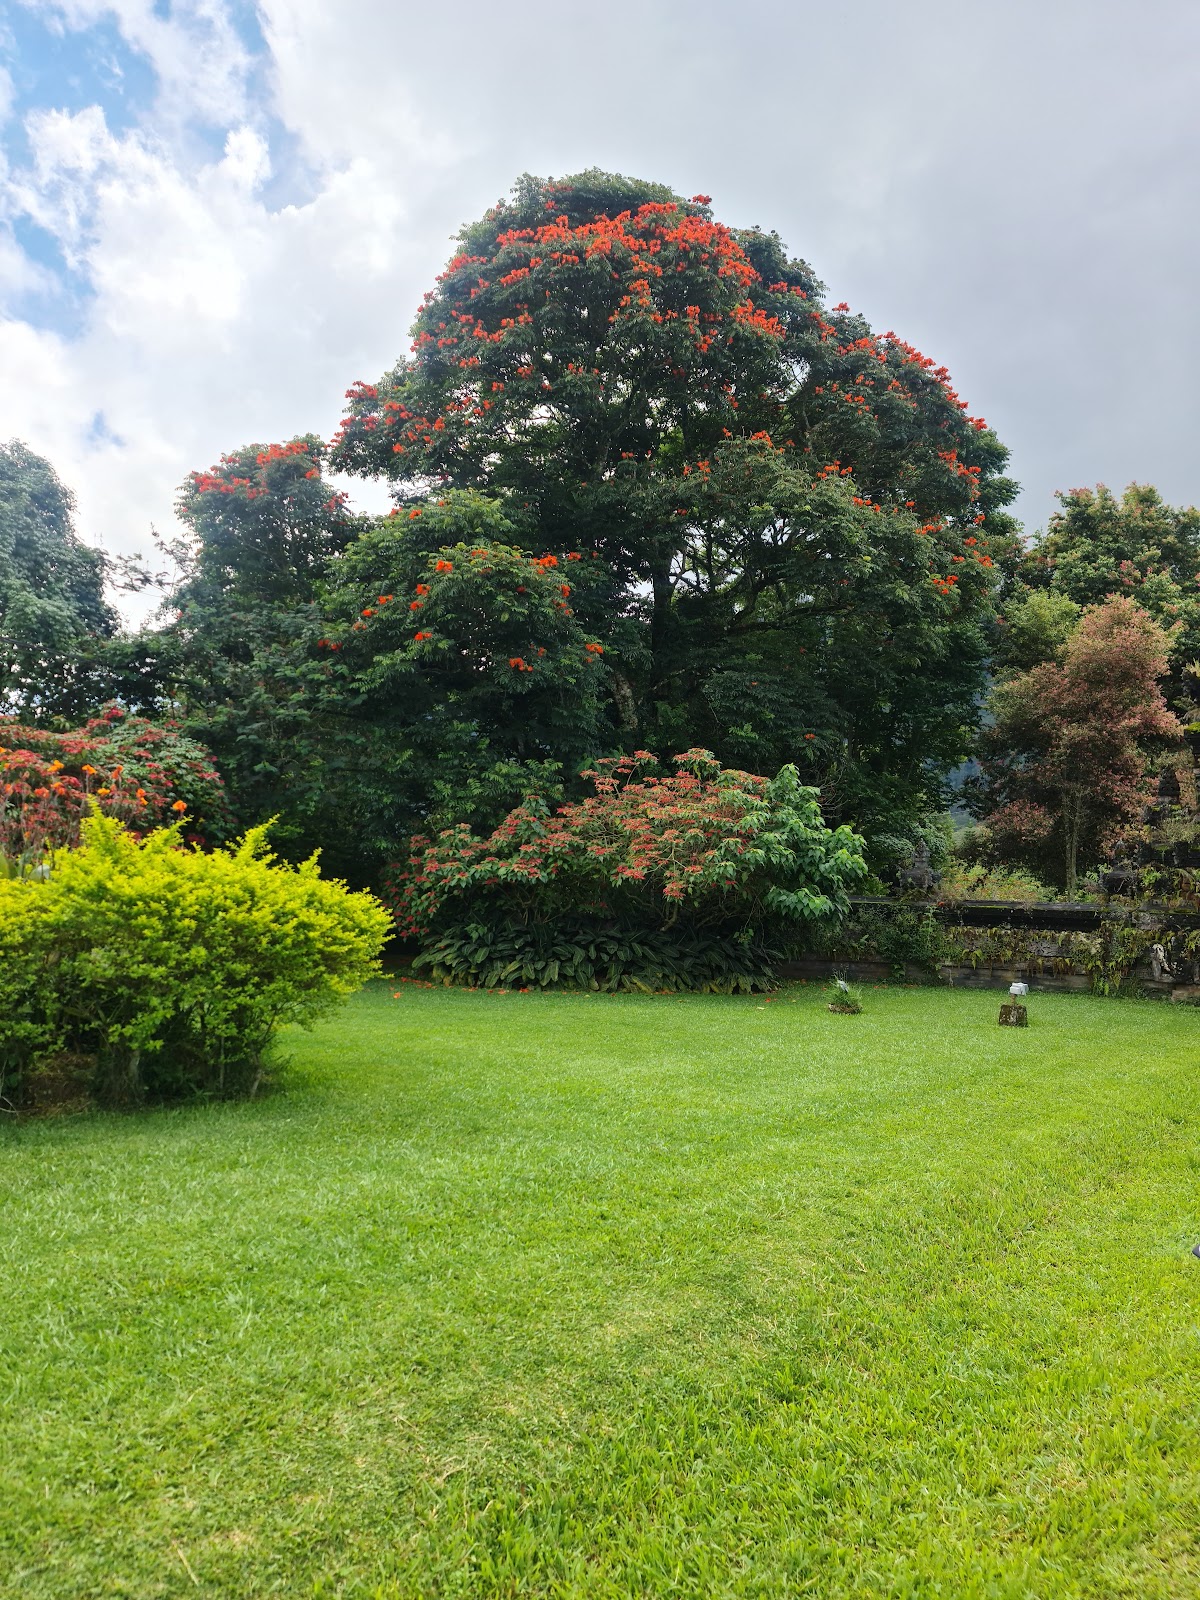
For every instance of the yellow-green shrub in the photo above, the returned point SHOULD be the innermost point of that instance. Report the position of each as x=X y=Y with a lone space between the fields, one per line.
x=24 y=953
x=169 y=969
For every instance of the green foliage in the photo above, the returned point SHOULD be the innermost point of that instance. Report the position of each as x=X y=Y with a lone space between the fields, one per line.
x=1137 y=547
x=468 y=650
x=1107 y=957
x=1035 y=627
x=169 y=970
x=265 y=526
x=902 y=935
x=604 y=957
x=890 y=854
x=973 y=880
x=238 y=654
x=52 y=605
x=25 y=950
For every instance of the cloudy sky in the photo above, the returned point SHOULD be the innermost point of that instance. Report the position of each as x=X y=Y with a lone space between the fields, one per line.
x=216 y=214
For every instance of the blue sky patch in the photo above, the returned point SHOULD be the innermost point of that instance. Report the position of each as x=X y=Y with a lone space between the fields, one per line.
x=60 y=69
x=55 y=67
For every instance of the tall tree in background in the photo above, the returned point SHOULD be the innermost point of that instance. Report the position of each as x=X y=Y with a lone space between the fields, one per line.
x=1136 y=546
x=53 y=612
x=1068 y=753
x=795 y=516
x=239 y=655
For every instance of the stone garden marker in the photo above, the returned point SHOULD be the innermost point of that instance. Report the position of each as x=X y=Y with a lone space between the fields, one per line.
x=1014 y=1015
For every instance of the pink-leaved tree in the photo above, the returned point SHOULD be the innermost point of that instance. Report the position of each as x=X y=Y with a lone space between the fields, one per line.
x=1068 y=755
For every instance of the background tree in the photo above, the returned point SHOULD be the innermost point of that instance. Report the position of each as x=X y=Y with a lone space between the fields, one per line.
x=238 y=656
x=1034 y=626
x=1067 y=757
x=1137 y=546
x=53 y=610
x=601 y=354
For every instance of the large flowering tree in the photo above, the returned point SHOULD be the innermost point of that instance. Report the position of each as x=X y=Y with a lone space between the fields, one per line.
x=793 y=511
x=238 y=654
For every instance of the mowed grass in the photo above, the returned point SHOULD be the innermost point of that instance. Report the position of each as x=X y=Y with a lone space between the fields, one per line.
x=592 y=1296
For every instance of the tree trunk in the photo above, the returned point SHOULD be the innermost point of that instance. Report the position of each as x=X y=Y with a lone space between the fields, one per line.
x=119 y=1078
x=1072 y=827
x=660 y=580
x=626 y=704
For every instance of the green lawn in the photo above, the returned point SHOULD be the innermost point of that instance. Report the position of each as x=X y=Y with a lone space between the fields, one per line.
x=570 y=1295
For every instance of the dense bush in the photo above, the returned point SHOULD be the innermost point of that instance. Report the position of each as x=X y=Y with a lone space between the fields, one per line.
x=973 y=880
x=142 y=773
x=680 y=881
x=902 y=935
x=162 y=971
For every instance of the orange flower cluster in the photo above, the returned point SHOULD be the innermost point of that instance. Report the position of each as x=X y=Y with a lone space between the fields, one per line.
x=254 y=476
x=480 y=321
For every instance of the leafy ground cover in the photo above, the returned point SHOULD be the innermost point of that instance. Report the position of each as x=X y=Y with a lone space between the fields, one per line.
x=614 y=1296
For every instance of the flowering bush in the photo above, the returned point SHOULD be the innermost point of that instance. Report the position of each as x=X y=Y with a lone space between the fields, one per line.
x=141 y=772
x=697 y=859
x=162 y=970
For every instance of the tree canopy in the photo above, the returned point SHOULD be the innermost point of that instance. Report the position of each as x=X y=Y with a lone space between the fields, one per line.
x=651 y=491
x=798 y=520
x=1135 y=545
x=52 y=601
x=1068 y=751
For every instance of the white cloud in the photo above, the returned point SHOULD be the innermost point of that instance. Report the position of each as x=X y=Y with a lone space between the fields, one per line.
x=198 y=56
x=1015 y=195
x=213 y=319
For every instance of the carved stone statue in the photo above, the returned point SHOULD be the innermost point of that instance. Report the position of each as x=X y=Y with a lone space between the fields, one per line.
x=920 y=876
